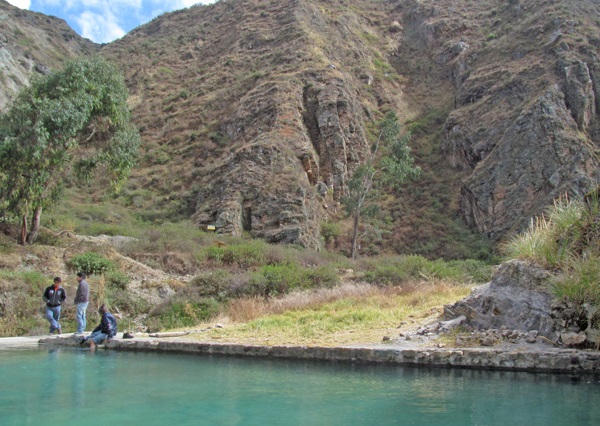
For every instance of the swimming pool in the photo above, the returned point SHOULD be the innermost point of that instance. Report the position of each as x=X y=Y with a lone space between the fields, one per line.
x=76 y=386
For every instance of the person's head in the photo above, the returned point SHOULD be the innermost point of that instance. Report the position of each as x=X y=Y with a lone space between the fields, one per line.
x=80 y=276
x=57 y=281
x=102 y=310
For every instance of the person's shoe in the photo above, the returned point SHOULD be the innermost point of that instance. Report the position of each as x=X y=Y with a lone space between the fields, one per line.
x=82 y=341
x=58 y=331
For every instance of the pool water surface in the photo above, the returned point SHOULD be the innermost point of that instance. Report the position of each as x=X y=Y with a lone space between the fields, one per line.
x=79 y=387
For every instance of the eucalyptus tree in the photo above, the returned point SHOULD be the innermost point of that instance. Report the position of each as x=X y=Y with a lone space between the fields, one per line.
x=73 y=123
x=389 y=164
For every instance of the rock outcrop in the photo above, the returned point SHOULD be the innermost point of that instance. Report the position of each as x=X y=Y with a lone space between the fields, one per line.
x=517 y=298
x=525 y=117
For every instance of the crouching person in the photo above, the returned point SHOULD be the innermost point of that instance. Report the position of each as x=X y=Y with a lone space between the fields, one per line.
x=106 y=330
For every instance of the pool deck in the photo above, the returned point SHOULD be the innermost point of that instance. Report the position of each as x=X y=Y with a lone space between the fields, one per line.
x=531 y=358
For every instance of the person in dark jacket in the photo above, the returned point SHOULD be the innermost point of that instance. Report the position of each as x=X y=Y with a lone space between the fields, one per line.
x=54 y=296
x=106 y=330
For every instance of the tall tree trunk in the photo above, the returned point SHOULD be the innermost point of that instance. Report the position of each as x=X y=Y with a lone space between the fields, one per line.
x=355 y=234
x=22 y=237
x=35 y=226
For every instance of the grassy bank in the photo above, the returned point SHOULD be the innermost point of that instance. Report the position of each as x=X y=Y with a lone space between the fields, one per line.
x=345 y=315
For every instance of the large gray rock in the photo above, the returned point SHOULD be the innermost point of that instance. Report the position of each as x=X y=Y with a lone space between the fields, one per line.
x=517 y=299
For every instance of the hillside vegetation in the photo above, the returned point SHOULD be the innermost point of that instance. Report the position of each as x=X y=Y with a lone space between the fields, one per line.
x=170 y=278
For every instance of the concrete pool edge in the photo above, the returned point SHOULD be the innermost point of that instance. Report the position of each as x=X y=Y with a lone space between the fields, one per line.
x=550 y=360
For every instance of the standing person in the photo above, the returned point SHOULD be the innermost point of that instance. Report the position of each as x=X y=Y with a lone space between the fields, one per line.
x=54 y=296
x=106 y=330
x=82 y=298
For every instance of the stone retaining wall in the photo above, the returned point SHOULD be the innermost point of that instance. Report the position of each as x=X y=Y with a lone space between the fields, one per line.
x=551 y=360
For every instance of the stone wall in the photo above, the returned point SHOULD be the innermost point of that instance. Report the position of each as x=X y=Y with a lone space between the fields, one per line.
x=549 y=360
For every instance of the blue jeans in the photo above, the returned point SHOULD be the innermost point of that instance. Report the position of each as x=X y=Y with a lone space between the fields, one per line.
x=97 y=336
x=53 y=315
x=80 y=316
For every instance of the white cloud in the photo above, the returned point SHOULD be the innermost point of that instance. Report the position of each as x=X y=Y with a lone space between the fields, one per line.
x=99 y=28
x=103 y=21
x=22 y=4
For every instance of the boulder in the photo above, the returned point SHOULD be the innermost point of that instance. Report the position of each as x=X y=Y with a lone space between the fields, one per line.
x=517 y=299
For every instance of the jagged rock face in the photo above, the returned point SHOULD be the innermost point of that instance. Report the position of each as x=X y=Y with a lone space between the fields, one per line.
x=267 y=187
x=286 y=116
x=538 y=157
x=524 y=129
x=33 y=43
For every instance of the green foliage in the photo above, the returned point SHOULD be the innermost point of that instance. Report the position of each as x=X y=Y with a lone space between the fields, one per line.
x=322 y=276
x=581 y=284
x=552 y=238
x=180 y=313
x=272 y=280
x=91 y=263
x=116 y=279
x=217 y=284
x=251 y=253
x=390 y=162
x=566 y=239
x=281 y=278
x=401 y=269
x=219 y=139
x=127 y=302
x=330 y=231
x=67 y=123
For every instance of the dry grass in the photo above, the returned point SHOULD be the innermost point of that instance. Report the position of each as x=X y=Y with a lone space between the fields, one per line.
x=345 y=315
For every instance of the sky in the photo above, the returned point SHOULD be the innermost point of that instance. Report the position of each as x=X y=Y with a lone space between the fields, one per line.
x=103 y=21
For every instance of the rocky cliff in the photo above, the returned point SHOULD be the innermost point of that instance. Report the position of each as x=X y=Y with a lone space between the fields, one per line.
x=524 y=126
x=274 y=99
x=246 y=107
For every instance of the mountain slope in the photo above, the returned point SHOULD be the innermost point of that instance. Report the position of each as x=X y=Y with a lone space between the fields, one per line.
x=258 y=102
x=246 y=107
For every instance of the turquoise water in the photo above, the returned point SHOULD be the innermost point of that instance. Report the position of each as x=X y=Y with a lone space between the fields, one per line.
x=79 y=387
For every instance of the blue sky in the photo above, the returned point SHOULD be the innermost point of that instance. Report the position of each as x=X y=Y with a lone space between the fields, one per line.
x=103 y=21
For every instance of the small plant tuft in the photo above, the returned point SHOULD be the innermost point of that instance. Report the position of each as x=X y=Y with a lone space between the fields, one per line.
x=91 y=263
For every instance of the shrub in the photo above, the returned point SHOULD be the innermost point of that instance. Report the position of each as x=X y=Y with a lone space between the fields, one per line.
x=216 y=284
x=581 y=284
x=322 y=276
x=245 y=255
x=126 y=302
x=386 y=275
x=117 y=279
x=330 y=231
x=398 y=270
x=91 y=263
x=182 y=312
x=564 y=232
x=272 y=280
x=219 y=139
x=474 y=270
